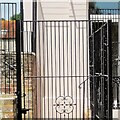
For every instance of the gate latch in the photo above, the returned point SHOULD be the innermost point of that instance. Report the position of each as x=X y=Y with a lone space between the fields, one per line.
x=24 y=111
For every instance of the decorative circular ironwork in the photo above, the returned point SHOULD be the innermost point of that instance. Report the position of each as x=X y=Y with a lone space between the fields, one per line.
x=64 y=104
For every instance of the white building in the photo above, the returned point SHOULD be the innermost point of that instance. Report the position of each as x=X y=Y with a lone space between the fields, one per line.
x=57 y=9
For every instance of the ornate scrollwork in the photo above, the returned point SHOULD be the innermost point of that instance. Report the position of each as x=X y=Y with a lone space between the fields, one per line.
x=64 y=104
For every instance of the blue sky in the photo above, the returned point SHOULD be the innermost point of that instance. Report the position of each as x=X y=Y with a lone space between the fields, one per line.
x=9 y=1
x=107 y=5
x=4 y=14
x=12 y=1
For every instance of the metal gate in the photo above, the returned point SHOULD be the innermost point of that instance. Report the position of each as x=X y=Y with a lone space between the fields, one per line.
x=7 y=59
x=101 y=70
x=7 y=48
x=64 y=69
x=113 y=15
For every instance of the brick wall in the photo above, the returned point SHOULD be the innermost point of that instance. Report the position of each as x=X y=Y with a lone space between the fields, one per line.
x=7 y=100
x=6 y=106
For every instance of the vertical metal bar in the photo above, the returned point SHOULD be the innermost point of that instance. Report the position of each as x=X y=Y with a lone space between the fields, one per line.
x=39 y=24
x=87 y=49
x=0 y=51
x=75 y=38
x=102 y=72
x=27 y=66
x=1 y=47
x=30 y=74
x=59 y=34
x=71 y=40
x=63 y=25
x=67 y=33
x=18 y=67
x=94 y=80
x=79 y=65
x=118 y=66
x=13 y=31
x=59 y=37
x=28 y=63
x=51 y=38
x=9 y=42
x=22 y=17
x=110 y=94
x=23 y=82
x=47 y=43
x=33 y=42
x=91 y=68
x=67 y=57
x=44 y=66
x=83 y=52
x=55 y=24
x=15 y=39
x=117 y=85
x=4 y=47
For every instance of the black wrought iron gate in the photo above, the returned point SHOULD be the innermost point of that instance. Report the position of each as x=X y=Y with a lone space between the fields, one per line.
x=7 y=59
x=101 y=71
x=64 y=69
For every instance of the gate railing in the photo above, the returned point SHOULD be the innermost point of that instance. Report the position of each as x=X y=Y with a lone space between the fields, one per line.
x=56 y=75
x=114 y=15
x=8 y=80
x=7 y=48
x=54 y=68
x=57 y=56
x=100 y=62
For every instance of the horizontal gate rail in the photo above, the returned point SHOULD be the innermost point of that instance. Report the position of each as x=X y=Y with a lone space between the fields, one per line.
x=99 y=75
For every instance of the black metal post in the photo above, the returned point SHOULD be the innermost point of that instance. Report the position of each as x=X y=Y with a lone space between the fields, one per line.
x=22 y=17
x=18 y=67
x=110 y=89
x=33 y=41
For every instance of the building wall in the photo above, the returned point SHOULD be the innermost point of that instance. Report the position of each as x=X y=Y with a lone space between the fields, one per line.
x=8 y=85
x=62 y=10
x=27 y=7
